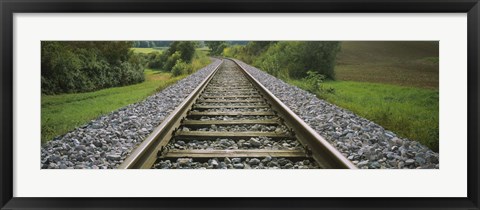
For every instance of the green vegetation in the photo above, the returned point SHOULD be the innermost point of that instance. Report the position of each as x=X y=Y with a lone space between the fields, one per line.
x=183 y=53
x=180 y=68
x=71 y=67
x=148 y=50
x=151 y=44
x=216 y=47
x=394 y=84
x=289 y=59
x=200 y=59
x=62 y=113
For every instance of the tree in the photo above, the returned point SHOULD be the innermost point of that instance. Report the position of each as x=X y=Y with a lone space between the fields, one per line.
x=185 y=48
x=257 y=47
x=242 y=43
x=216 y=47
x=319 y=56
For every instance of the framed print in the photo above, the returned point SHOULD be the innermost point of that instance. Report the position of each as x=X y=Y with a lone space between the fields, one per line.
x=311 y=104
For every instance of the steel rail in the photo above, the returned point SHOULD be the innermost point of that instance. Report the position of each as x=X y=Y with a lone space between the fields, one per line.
x=145 y=155
x=322 y=151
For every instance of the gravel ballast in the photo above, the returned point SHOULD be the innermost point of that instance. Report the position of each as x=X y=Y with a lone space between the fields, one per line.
x=365 y=143
x=233 y=144
x=236 y=163
x=106 y=141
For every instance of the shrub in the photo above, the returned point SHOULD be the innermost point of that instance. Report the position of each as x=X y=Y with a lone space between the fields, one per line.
x=313 y=83
x=171 y=61
x=178 y=50
x=289 y=59
x=69 y=67
x=216 y=47
x=238 y=52
x=319 y=56
x=185 y=48
x=156 y=60
x=270 y=63
x=180 y=68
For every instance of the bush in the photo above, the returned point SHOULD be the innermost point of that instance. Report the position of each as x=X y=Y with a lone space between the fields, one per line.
x=69 y=67
x=180 y=53
x=171 y=61
x=289 y=59
x=216 y=47
x=156 y=60
x=319 y=56
x=238 y=52
x=180 y=68
x=313 y=83
x=314 y=80
x=186 y=49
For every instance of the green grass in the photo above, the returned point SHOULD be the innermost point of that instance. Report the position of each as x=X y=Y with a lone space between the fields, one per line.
x=62 y=113
x=408 y=111
x=411 y=64
x=147 y=50
x=206 y=49
x=161 y=49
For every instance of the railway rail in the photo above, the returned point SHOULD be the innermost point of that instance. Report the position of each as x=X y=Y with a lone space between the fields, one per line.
x=232 y=121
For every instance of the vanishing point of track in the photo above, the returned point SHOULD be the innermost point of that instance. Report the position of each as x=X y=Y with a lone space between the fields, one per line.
x=231 y=118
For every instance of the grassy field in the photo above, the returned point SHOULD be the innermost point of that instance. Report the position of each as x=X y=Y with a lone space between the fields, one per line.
x=411 y=64
x=147 y=50
x=394 y=84
x=62 y=113
x=161 y=49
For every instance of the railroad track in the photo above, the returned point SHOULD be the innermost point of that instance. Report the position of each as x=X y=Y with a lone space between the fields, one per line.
x=231 y=121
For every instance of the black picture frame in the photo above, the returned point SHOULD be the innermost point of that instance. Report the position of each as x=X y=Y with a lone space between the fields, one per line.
x=9 y=7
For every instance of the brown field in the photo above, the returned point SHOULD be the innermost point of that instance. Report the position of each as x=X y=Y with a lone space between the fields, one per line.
x=412 y=63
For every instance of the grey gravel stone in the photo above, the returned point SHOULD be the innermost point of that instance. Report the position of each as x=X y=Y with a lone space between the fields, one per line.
x=227 y=160
x=214 y=163
x=409 y=162
x=184 y=161
x=254 y=142
x=254 y=161
x=362 y=164
x=236 y=160
x=244 y=163
x=238 y=165
x=288 y=166
x=114 y=157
